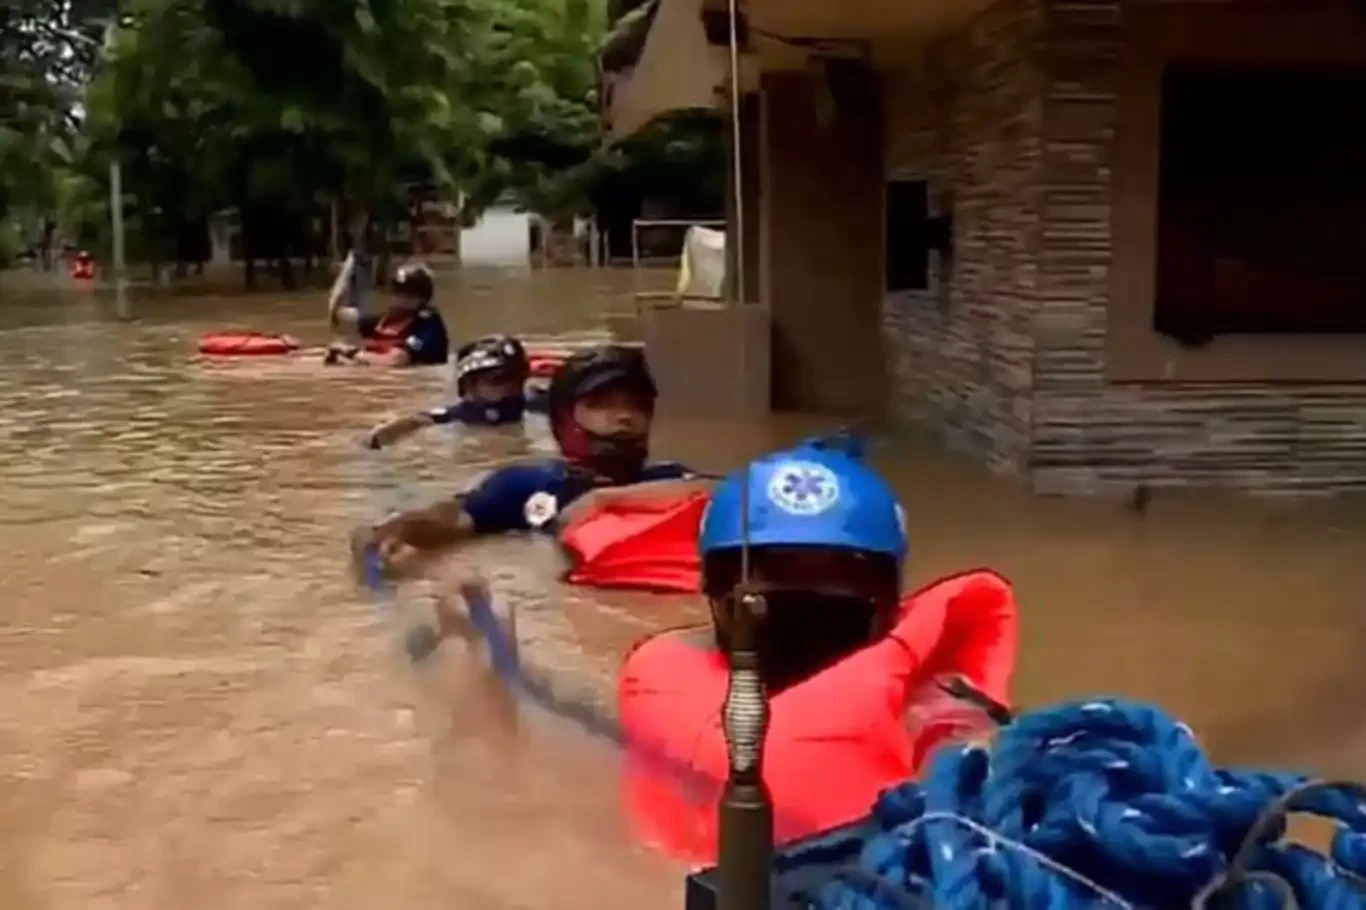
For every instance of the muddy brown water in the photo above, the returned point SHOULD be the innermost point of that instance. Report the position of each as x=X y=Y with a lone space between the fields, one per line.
x=198 y=709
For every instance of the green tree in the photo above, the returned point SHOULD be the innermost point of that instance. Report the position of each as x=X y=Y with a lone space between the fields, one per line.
x=536 y=87
x=47 y=50
x=279 y=107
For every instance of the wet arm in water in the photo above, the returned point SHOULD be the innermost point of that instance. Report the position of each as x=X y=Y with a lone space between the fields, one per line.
x=400 y=427
x=437 y=526
x=404 y=539
x=650 y=491
x=496 y=504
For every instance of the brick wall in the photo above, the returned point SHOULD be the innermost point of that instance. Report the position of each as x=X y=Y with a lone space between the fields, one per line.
x=1015 y=118
x=968 y=118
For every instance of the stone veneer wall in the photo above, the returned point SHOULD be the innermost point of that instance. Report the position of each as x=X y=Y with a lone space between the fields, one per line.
x=1014 y=118
x=969 y=119
x=1090 y=434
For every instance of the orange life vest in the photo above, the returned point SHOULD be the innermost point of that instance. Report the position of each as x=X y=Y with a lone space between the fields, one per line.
x=390 y=332
x=834 y=741
x=82 y=267
x=639 y=545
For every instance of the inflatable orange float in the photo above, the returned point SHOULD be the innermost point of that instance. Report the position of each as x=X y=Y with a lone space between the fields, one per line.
x=543 y=363
x=246 y=344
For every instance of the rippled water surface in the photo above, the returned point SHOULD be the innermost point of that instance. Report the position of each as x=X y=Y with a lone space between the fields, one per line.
x=198 y=709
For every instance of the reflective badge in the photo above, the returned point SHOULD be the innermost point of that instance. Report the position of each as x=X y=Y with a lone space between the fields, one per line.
x=509 y=350
x=803 y=488
x=414 y=342
x=540 y=509
x=492 y=415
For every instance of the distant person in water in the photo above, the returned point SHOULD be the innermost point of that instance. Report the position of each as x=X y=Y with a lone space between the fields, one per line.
x=410 y=332
x=491 y=376
x=601 y=406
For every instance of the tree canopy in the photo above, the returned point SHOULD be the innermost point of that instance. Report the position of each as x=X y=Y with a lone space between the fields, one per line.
x=276 y=107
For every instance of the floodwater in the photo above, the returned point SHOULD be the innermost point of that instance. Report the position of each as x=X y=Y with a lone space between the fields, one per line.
x=197 y=708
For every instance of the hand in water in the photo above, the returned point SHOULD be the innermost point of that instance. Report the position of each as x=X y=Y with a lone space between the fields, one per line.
x=375 y=558
x=339 y=352
x=467 y=614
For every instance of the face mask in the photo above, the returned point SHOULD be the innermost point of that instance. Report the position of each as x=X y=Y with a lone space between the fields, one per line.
x=616 y=456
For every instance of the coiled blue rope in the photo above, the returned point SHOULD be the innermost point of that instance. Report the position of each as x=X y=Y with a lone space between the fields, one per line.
x=1123 y=798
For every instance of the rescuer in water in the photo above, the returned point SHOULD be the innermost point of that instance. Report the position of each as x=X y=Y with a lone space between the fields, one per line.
x=857 y=674
x=601 y=407
x=410 y=332
x=491 y=376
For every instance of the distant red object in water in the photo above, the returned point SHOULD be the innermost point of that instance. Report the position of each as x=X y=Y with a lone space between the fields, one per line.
x=246 y=344
x=544 y=363
x=82 y=267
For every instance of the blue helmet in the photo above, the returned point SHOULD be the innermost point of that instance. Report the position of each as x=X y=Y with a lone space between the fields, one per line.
x=812 y=495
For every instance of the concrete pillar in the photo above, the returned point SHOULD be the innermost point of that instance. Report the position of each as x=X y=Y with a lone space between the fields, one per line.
x=712 y=360
x=822 y=213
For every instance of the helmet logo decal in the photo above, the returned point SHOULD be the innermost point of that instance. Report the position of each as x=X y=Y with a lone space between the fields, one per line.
x=491 y=415
x=540 y=509
x=803 y=488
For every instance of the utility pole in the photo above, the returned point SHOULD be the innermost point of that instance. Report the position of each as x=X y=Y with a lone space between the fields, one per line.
x=116 y=216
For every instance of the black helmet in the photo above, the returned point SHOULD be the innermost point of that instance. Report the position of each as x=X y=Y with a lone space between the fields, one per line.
x=492 y=352
x=581 y=374
x=413 y=279
x=584 y=372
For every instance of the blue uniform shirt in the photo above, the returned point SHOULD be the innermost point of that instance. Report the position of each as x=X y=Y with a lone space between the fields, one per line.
x=490 y=413
x=527 y=496
x=422 y=335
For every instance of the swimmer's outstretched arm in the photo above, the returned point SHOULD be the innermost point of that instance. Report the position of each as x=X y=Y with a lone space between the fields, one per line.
x=496 y=504
x=432 y=528
x=406 y=537
x=400 y=427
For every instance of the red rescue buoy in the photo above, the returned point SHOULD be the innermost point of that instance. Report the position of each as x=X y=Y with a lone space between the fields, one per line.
x=246 y=344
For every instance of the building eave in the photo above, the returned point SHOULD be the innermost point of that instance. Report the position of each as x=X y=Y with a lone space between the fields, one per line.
x=622 y=47
x=674 y=68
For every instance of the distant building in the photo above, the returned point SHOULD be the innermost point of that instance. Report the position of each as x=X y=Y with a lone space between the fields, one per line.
x=1090 y=243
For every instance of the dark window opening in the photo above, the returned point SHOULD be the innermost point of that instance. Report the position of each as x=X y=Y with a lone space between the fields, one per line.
x=907 y=253
x=1262 y=202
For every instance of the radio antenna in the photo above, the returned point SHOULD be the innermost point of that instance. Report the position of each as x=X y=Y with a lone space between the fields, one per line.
x=745 y=815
